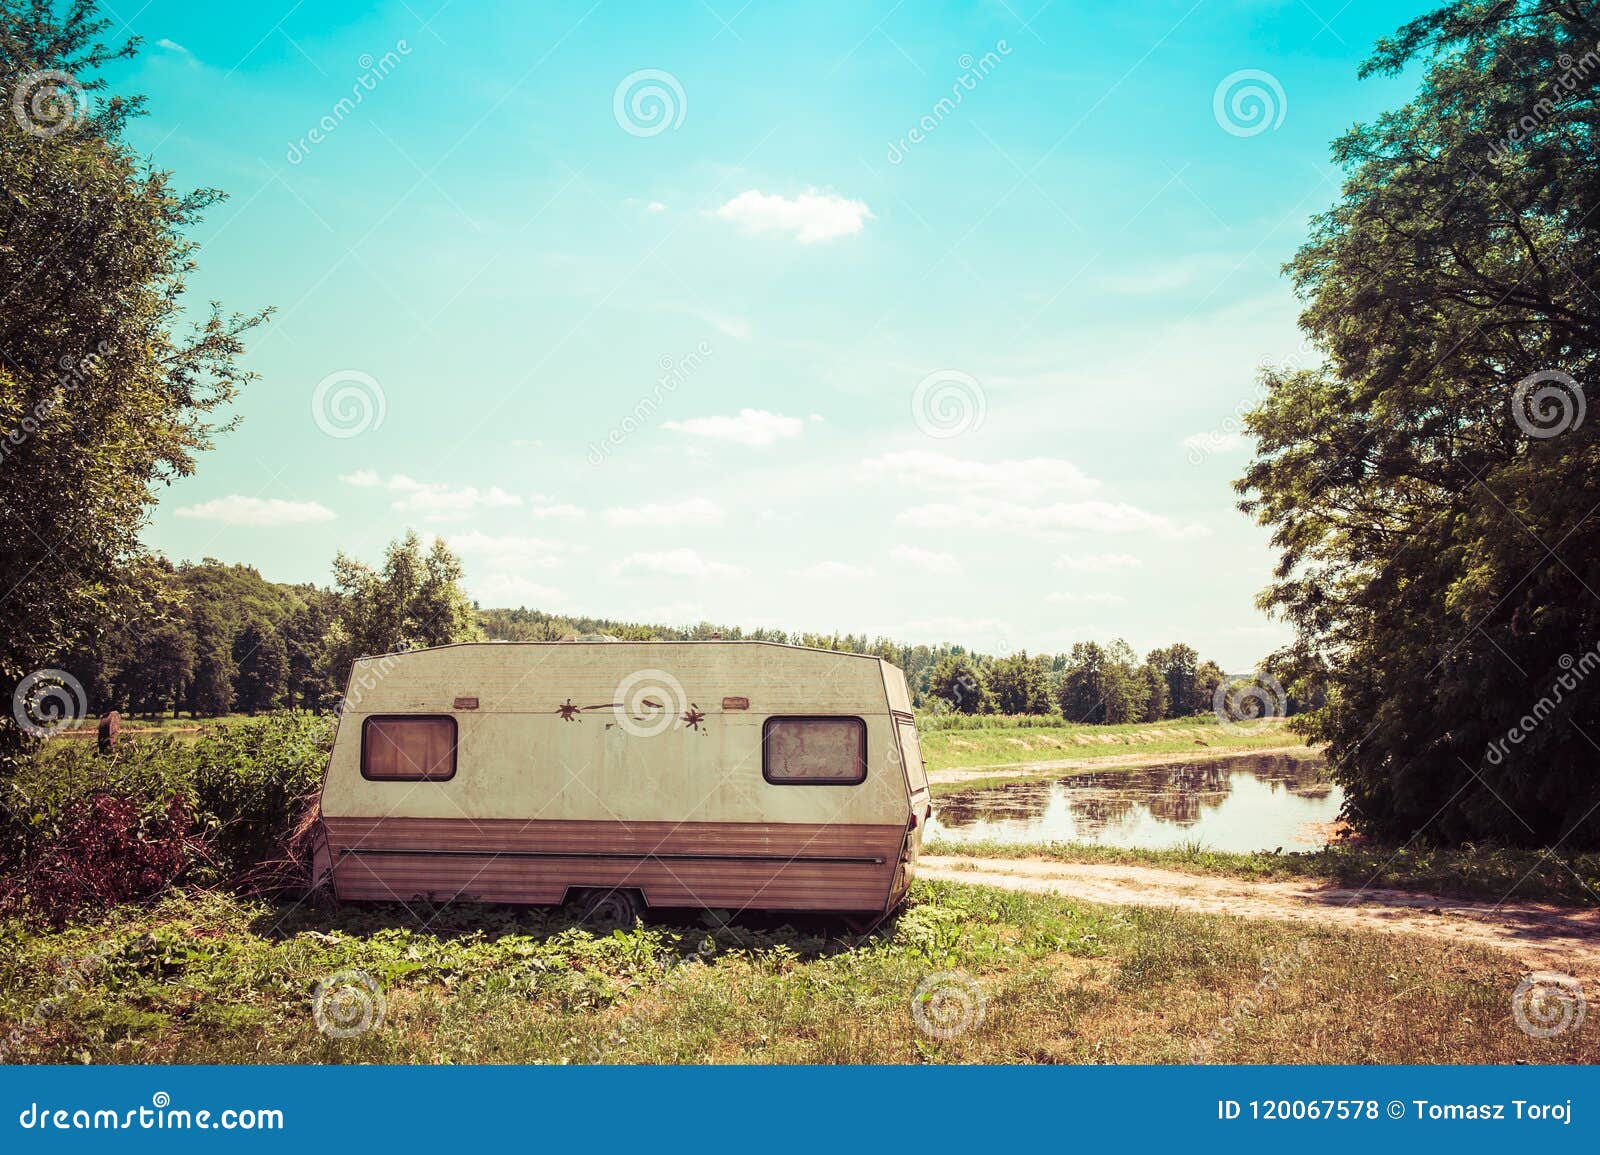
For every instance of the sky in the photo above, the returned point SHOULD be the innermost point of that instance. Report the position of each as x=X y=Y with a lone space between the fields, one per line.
x=932 y=321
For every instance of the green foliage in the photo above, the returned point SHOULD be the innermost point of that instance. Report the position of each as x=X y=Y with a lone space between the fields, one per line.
x=246 y=784
x=263 y=660
x=1019 y=684
x=414 y=601
x=1437 y=559
x=102 y=398
x=210 y=978
x=957 y=684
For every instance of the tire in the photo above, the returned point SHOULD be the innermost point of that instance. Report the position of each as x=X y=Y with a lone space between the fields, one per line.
x=608 y=910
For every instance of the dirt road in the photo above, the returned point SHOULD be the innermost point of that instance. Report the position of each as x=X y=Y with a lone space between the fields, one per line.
x=1539 y=937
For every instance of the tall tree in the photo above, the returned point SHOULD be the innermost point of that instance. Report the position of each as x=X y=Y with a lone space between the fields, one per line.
x=210 y=690
x=1432 y=486
x=262 y=660
x=958 y=685
x=1179 y=666
x=1019 y=684
x=416 y=600
x=1083 y=684
x=101 y=397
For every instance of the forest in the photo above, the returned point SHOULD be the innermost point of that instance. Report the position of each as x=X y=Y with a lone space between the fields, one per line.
x=209 y=639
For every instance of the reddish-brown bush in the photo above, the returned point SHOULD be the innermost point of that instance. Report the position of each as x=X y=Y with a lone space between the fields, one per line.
x=108 y=850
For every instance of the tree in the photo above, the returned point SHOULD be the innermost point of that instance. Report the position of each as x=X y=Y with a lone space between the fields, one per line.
x=1179 y=666
x=262 y=660
x=1019 y=684
x=101 y=397
x=160 y=668
x=958 y=684
x=304 y=632
x=1083 y=684
x=1155 y=693
x=211 y=689
x=415 y=601
x=1123 y=689
x=1430 y=485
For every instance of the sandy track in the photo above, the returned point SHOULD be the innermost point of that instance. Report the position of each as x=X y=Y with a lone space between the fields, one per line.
x=1540 y=937
x=958 y=774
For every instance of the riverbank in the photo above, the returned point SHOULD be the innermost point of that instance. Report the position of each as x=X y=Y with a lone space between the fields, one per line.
x=954 y=780
x=1019 y=978
x=1044 y=748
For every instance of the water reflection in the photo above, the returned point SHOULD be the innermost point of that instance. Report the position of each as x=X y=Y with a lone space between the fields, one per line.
x=1253 y=802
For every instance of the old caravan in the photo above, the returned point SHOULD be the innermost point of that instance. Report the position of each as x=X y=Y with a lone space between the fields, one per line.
x=714 y=774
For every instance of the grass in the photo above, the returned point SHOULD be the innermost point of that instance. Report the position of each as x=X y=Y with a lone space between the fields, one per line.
x=1007 y=746
x=1476 y=872
x=209 y=978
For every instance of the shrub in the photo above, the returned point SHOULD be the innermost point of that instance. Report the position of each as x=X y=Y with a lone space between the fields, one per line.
x=231 y=805
x=107 y=851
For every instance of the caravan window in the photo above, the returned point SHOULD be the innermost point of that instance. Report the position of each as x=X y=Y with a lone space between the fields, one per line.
x=814 y=751
x=408 y=748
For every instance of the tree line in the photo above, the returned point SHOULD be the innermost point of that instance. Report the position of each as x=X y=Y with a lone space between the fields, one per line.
x=209 y=639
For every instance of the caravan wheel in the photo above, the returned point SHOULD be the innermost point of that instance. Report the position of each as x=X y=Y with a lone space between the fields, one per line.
x=607 y=910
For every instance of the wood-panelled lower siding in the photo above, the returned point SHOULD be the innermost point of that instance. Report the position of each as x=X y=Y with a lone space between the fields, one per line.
x=737 y=865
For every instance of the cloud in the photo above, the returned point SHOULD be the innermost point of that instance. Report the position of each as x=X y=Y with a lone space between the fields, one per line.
x=673 y=563
x=1021 y=478
x=835 y=571
x=543 y=507
x=237 y=510
x=655 y=207
x=933 y=561
x=1056 y=517
x=437 y=501
x=812 y=216
x=1098 y=562
x=1065 y=599
x=508 y=551
x=692 y=511
x=174 y=46
x=510 y=590
x=754 y=427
